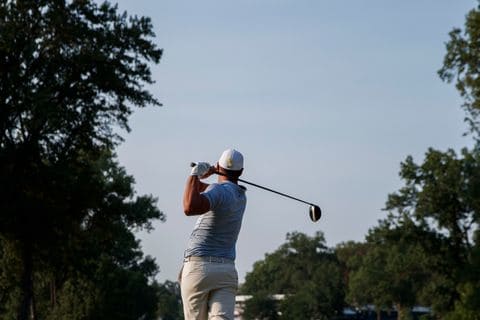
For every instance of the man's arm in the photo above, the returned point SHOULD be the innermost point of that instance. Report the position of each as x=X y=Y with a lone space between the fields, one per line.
x=193 y=202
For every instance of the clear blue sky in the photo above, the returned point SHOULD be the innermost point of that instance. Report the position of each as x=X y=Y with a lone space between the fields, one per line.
x=324 y=99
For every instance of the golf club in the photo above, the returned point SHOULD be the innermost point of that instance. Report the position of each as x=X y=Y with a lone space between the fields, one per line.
x=314 y=211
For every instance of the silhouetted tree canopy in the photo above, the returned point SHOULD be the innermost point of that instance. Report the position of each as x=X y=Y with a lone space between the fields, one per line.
x=71 y=72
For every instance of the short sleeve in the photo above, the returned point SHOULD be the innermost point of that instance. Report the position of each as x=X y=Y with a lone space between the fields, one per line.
x=215 y=195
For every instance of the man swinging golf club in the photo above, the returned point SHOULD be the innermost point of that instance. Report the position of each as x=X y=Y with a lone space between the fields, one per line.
x=208 y=278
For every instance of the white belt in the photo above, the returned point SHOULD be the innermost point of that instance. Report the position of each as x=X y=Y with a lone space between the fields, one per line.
x=208 y=259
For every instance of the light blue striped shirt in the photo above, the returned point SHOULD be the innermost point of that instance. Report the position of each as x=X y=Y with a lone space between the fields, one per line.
x=216 y=232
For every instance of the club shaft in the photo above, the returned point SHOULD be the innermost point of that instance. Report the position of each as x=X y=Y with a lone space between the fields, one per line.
x=274 y=191
x=262 y=187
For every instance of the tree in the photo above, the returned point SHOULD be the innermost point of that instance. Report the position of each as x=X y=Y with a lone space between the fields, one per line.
x=71 y=72
x=303 y=269
x=444 y=190
x=396 y=264
x=461 y=64
x=443 y=194
x=261 y=307
x=427 y=248
x=169 y=301
x=101 y=273
x=467 y=307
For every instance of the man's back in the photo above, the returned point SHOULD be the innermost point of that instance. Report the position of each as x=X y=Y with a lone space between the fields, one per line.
x=216 y=232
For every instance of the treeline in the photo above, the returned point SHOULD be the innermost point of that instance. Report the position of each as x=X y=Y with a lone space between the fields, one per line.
x=425 y=252
x=70 y=74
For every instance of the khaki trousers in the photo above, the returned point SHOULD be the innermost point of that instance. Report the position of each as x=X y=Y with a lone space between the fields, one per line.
x=208 y=289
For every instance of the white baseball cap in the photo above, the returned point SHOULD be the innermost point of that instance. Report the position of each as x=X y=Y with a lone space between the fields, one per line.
x=231 y=159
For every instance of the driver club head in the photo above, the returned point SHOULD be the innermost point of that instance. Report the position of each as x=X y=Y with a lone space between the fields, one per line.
x=315 y=213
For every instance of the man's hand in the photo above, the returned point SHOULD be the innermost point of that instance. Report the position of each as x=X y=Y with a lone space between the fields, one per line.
x=202 y=170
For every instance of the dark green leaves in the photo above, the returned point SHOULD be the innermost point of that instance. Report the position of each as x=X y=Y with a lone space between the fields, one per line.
x=71 y=73
x=461 y=65
x=305 y=271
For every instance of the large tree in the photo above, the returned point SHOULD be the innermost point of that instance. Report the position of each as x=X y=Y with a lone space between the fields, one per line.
x=71 y=71
x=434 y=218
x=426 y=250
x=306 y=272
x=442 y=195
x=461 y=65
x=394 y=267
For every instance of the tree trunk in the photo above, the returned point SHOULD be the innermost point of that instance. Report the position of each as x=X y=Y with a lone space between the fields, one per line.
x=403 y=313
x=27 y=303
x=53 y=292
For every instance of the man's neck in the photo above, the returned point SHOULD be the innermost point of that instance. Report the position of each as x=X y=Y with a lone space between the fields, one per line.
x=225 y=178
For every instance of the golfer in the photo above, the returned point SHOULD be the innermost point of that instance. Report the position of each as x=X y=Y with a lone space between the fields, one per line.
x=208 y=279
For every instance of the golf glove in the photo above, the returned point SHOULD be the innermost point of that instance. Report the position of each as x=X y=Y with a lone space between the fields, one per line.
x=200 y=169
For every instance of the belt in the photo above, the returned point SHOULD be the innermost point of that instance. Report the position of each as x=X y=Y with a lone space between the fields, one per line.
x=208 y=259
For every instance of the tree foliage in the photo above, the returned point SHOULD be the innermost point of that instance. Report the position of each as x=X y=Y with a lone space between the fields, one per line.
x=169 y=301
x=262 y=307
x=425 y=251
x=303 y=269
x=442 y=194
x=461 y=65
x=444 y=190
x=395 y=268
x=102 y=265
x=71 y=71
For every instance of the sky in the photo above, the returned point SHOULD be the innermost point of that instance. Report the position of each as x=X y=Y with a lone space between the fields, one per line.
x=323 y=98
